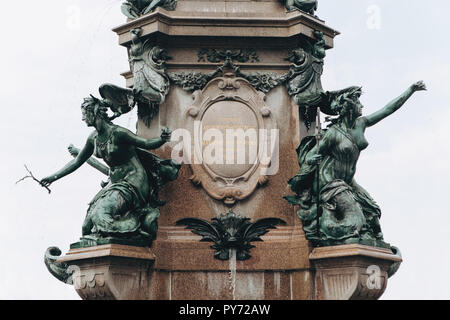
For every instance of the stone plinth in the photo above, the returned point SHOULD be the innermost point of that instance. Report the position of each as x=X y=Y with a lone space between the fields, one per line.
x=278 y=269
x=351 y=272
x=110 y=272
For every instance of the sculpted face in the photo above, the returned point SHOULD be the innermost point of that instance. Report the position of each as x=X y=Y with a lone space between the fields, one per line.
x=299 y=56
x=135 y=34
x=88 y=117
x=358 y=108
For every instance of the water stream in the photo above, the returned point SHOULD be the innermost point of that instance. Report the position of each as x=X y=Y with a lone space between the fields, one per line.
x=232 y=276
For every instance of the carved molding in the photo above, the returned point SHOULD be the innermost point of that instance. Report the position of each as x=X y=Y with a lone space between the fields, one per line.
x=92 y=285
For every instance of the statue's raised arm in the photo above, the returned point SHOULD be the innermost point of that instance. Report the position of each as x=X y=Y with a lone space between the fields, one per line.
x=395 y=104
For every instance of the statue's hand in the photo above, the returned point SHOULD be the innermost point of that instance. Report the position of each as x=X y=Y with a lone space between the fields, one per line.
x=73 y=150
x=166 y=134
x=46 y=182
x=419 y=86
x=314 y=160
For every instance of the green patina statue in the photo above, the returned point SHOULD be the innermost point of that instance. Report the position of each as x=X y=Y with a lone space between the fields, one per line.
x=334 y=209
x=308 y=6
x=304 y=82
x=135 y=8
x=151 y=82
x=126 y=209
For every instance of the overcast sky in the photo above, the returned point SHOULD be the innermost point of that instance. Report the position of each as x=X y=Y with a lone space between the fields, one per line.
x=50 y=60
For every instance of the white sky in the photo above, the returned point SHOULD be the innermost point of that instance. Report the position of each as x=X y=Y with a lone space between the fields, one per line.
x=49 y=63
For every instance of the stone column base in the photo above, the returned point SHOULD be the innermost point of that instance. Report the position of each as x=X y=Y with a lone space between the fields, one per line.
x=351 y=272
x=110 y=272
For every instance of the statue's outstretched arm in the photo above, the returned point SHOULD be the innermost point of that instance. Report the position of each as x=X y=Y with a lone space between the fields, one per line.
x=395 y=104
x=73 y=165
x=149 y=144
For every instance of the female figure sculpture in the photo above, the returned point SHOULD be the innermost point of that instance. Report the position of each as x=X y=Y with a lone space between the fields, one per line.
x=127 y=206
x=304 y=82
x=334 y=209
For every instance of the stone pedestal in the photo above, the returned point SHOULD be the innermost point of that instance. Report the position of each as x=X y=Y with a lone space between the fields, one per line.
x=179 y=267
x=185 y=268
x=188 y=272
x=110 y=272
x=351 y=272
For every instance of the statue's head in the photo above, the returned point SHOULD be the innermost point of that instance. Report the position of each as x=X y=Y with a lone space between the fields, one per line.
x=159 y=54
x=136 y=33
x=348 y=103
x=297 y=56
x=94 y=109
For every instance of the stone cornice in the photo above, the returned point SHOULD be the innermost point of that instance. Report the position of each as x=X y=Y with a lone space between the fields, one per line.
x=165 y=22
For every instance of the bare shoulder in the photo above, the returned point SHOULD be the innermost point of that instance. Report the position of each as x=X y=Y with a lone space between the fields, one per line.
x=361 y=123
x=92 y=136
x=122 y=133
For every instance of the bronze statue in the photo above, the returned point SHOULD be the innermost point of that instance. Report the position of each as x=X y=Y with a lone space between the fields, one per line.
x=135 y=8
x=127 y=206
x=151 y=83
x=334 y=209
x=304 y=82
x=308 y=6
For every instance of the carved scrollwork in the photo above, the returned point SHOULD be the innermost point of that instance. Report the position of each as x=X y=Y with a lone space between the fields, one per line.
x=229 y=84
x=59 y=270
